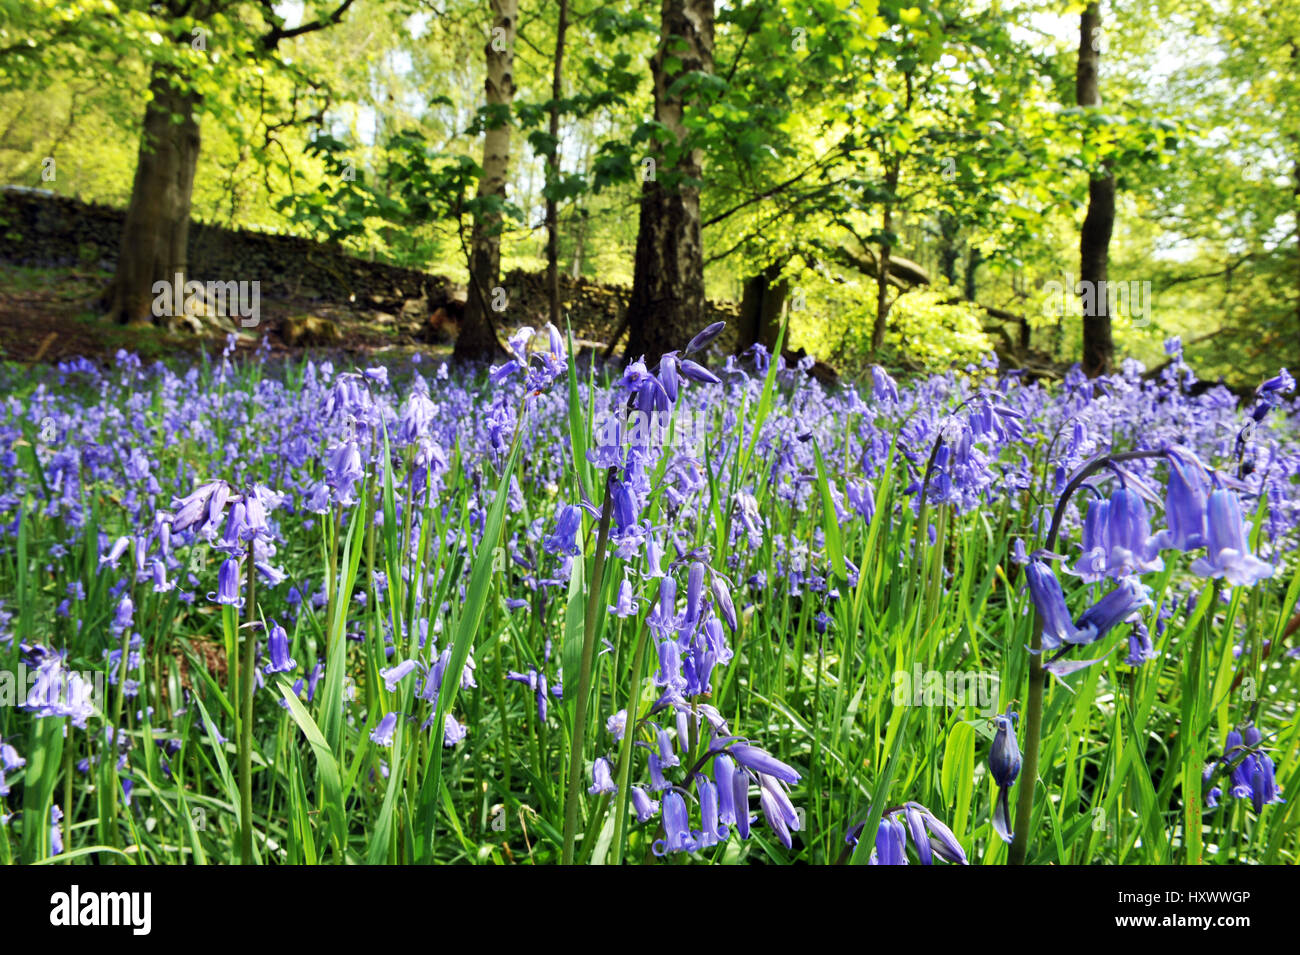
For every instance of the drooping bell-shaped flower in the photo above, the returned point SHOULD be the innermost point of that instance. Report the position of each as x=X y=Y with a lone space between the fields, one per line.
x=643 y=805
x=1116 y=606
x=698 y=373
x=278 y=648
x=1186 y=495
x=703 y=338
x=395 y=674
x=1004 y=767
x=1049 y=600
x=777 y=809
x=227 y=583
x=563 y=540
x=712 y=831
x=722 y=601
x=677 y=827
x=760 y=761
x=382 y=734
x=1130 y=547
x=883 y=387
x=602 y=779
x=891 y=842
x=942 y=841
x=1227 y=552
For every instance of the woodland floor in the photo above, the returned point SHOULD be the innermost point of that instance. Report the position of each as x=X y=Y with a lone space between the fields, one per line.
x=48 y=315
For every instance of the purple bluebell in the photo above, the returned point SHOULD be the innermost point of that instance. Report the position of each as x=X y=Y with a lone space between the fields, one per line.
x=1049 y=600
x=644 y=807
x=1004 y=767
x=703 y=338
x=1227 y=550
x=396 y=674
x=677 y=827
x=278 y=649
x=891 y=842
x=760 y=761
x=382 y=734
x=602 y=779
x=1186 y=493
x=1116 y=606
x=228 y=579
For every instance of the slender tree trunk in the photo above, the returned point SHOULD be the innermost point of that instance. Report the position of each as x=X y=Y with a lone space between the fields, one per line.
x=971 y=284
x=1296 y=213
x=667 y=302
x=579 y=238
x=1094 y=242
x=948 y=228
x=156 y=231
x=478 y=338
x=882 y=275
x=553 y=171
x=760 y=308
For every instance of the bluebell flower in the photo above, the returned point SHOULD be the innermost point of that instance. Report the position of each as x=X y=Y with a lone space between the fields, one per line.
x=712 y=830
x=696 y=372
x=563 y=540
x=56 y=832
x=1227 y=550
x=1004 y=767
x=645 y=807
x=1140 y=647
x=278 y=648
x=616 y=725
x=1049 y=600
x=625 y=603
x=396 y=674
x=722 y=600
x=453 y=731
x=1116 y=606
x=383 y=733
x=703 y=338
x=883 y=387
x=1186 y=494
x=777 y=808
x=891 y=843
x=751 y=757
x=227 y=583
x=602 y=777
x=677 y=827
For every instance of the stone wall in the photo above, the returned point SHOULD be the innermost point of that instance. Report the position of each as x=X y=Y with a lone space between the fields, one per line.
x=50 y=231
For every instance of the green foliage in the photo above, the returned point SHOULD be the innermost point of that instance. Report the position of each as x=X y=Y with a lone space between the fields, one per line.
x=957 y=118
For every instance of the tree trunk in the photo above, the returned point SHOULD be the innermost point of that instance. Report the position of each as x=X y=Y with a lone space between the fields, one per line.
x=973 y=259
x=1094 y=242
x=760 y=308
x=579 y=238
x=667 y=303
x=553 y=171
x=948 y=229
x=156 y=231
x=1296 y=213
x=477 y=339
x=882 y=277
